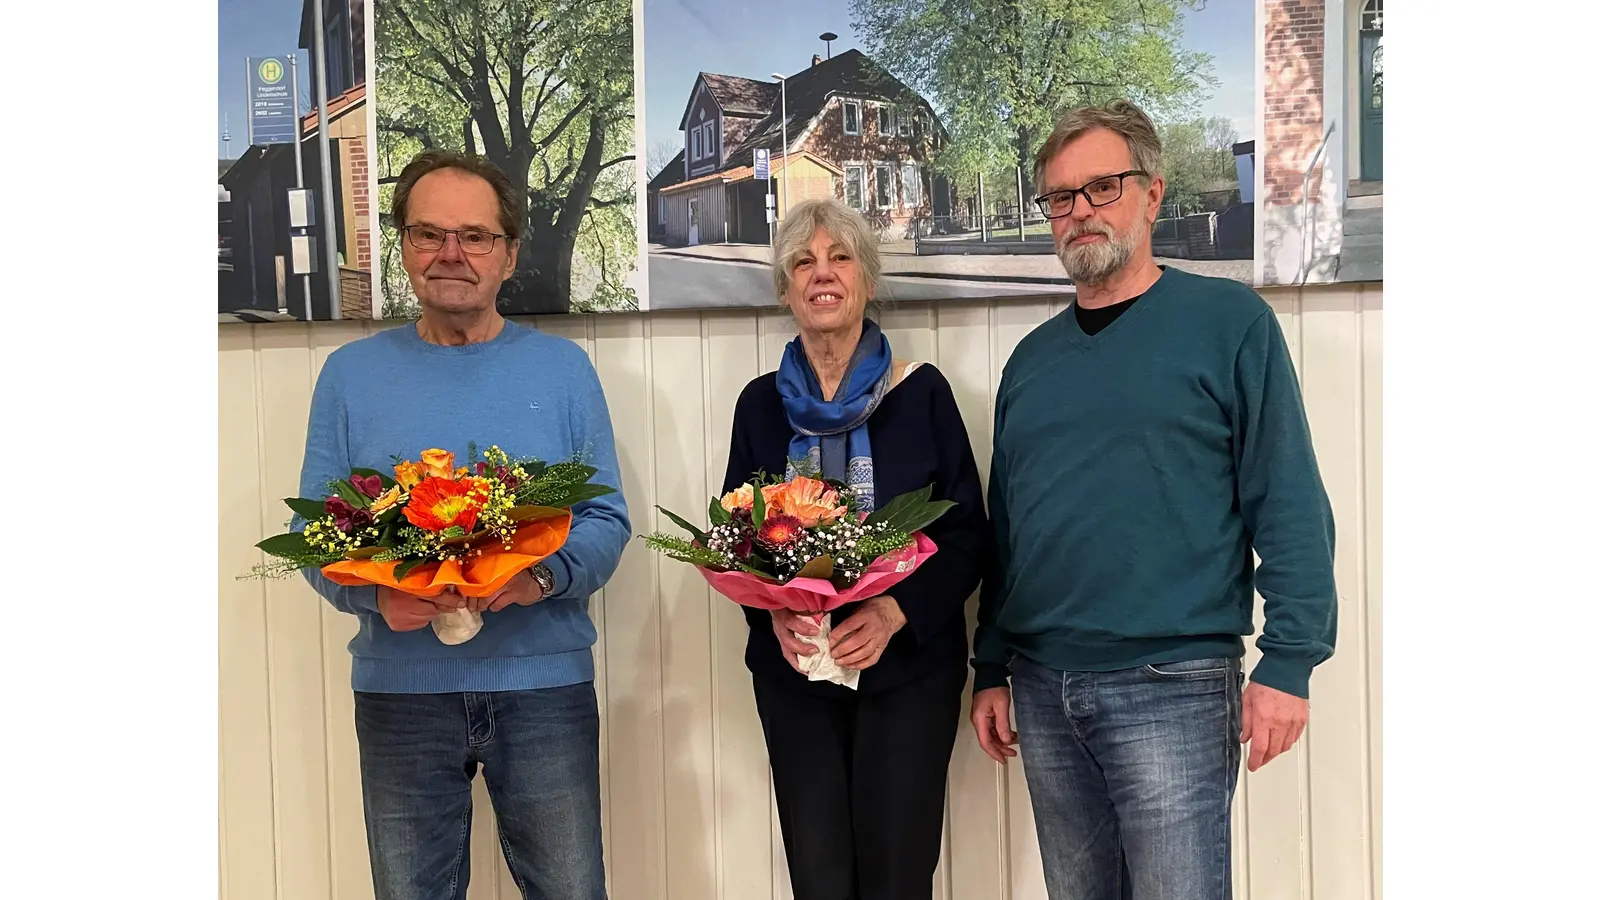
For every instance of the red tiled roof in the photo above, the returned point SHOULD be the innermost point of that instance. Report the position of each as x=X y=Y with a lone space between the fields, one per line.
x=337 y=107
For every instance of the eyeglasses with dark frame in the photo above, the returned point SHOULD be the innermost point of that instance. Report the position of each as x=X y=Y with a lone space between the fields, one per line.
x=1099 y=192
x=475 y=241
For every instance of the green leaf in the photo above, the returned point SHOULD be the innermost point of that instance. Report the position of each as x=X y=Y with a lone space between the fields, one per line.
x=310 y=510
x=683 y=523
x=758 y=511
x=351 y=495
x=288 y=545
x=405 y=567
x=910 y=512
x=716 y=515
x=563 y=497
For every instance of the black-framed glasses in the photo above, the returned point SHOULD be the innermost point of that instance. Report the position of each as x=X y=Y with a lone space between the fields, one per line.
x=472 y=240
x=1099 y=192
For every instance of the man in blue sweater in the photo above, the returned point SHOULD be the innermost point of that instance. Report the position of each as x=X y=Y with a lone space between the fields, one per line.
x=518 y=698
x=1147 y=442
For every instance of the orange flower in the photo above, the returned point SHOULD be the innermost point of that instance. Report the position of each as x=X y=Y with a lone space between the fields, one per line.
x=386 y=500
x=439 y=463
x=440 y=503
x=811 y=501
x=409 y=474
x=744 y=497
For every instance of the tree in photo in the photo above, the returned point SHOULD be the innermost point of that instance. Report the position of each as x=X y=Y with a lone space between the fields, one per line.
x=1002 y=71
x=1197 y=159
x=543 y=89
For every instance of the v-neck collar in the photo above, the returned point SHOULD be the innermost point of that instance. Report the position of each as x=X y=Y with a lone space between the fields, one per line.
x=1075 y=333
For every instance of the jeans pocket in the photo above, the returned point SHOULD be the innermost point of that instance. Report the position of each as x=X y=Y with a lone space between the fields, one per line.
x=1190 y=669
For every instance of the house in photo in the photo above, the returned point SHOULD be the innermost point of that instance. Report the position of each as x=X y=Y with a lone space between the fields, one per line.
x=1322 y=169
x=853 y=131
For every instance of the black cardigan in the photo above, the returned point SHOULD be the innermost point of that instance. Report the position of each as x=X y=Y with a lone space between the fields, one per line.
x=918 y=439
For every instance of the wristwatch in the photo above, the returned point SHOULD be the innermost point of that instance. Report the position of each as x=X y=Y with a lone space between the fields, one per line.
x=547 y=579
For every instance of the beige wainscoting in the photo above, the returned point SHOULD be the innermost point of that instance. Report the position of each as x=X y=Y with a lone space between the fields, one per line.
x=688 y=813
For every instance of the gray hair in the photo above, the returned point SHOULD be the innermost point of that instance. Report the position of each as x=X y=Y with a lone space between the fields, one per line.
x=846 y=226
x=1119 y=116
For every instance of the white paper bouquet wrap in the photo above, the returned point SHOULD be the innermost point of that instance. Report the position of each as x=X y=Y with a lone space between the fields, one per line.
x=821 y=666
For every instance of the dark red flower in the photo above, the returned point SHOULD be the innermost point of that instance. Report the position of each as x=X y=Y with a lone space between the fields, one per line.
x=779 y=532
x=368 y=485
x=506 y=478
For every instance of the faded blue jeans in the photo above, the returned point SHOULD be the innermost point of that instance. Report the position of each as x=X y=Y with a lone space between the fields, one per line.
x=540 y=753
x=1131 y=774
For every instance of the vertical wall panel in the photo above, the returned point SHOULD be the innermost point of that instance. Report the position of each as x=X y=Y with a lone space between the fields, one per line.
x=688 y=812
x=744 y=822
x=244 y=723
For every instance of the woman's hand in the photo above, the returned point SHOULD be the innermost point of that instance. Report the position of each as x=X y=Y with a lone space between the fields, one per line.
x=784 y=624
x=859 y=641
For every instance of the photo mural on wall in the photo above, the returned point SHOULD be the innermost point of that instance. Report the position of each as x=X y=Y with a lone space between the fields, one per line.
x=544 y=90
x=1322 y=169
x=922 y=114
x=283 y=252
x=925 y=115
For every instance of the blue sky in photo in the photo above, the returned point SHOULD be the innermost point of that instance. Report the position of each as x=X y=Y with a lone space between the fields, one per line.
x=755 y=38
x=247 y=28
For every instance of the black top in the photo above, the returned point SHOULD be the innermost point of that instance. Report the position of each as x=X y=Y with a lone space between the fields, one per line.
x=1094 y=321
x=918 y=439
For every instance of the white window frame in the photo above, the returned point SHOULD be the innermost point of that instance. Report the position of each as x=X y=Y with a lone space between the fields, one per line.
x=861 y=195
x=911 y=184
x=883 y=180
x=885 y=115
x=708 y=144
x=903 y=125
x=844 y=115
x=694 y=143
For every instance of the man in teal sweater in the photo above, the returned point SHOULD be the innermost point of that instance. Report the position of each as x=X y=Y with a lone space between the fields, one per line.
x=516 y=700
x=1147 y=442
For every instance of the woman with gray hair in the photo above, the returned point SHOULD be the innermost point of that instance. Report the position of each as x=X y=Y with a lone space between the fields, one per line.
x=859 y=771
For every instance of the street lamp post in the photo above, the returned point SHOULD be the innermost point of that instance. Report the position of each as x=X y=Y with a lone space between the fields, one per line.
x=783 y=89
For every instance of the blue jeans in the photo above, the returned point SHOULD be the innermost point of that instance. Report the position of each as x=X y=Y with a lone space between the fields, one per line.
x=540 y=753
x=1131 y=775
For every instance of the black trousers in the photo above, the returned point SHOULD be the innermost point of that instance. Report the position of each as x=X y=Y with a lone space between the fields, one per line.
x=860 y=784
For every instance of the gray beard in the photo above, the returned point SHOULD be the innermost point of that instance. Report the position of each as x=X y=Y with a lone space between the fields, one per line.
x=1095 y=263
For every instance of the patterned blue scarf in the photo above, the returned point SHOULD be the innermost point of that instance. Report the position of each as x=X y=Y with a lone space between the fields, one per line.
x=830 y=436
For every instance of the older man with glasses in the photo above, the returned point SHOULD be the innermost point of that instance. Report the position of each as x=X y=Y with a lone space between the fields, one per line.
x=518 y=699
x=1149 y=441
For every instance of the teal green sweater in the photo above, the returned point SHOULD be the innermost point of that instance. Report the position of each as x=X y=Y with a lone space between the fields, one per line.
x=1134 y=474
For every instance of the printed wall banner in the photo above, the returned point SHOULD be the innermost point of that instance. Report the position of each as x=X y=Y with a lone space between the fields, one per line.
x=660 y=142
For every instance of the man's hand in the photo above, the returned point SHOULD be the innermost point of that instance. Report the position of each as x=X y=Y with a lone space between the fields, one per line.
x=859 y=641
x=406 y=612
x=522 y=589
x=784 y=624
x=991 y=720
x=1273 y=721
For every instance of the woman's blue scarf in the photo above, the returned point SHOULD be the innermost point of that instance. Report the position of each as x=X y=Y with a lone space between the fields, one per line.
x=830 y=436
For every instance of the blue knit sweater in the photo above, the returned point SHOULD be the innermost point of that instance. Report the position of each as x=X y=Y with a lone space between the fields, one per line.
x=534 y=395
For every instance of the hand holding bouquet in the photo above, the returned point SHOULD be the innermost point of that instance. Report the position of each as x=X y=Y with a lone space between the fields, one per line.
x=433 y=528
x=804 y=545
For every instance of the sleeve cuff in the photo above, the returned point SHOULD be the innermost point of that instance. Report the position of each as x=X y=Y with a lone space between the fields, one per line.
x=989 y=675
x=560 y=575
x=1287 y=675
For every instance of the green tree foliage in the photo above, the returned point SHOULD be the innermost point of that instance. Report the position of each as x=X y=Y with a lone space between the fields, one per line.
x=544 y=89
x=1195 y=157
x=1002 y=71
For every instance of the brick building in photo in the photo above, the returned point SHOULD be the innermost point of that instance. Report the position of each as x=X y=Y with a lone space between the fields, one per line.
x=854 y=132
x=1321 y=169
